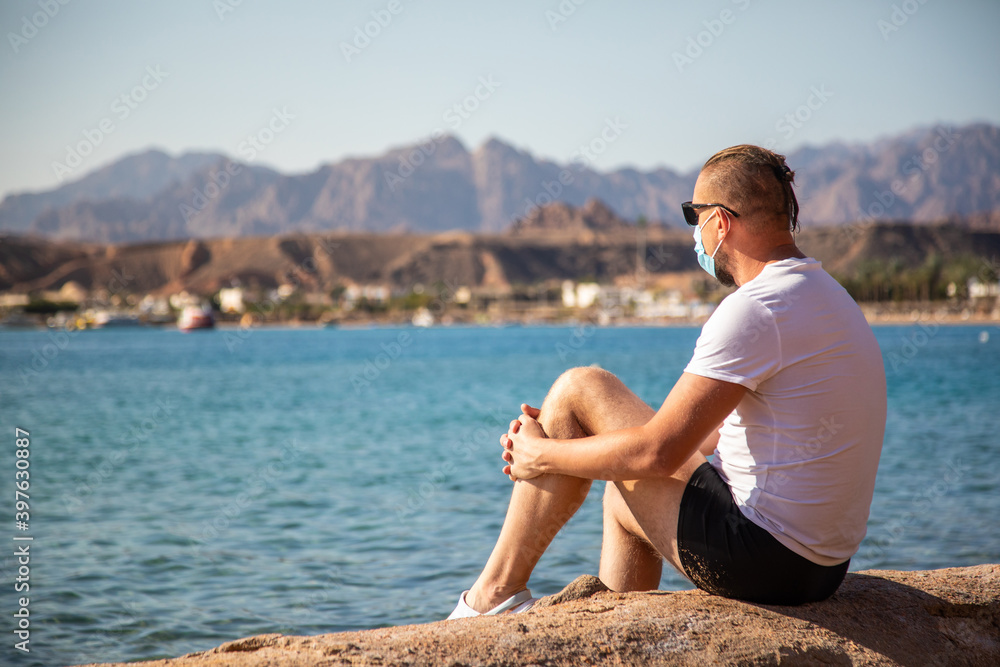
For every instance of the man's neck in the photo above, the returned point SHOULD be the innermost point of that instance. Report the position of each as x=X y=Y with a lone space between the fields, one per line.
x=750 y=267
x=784 y=251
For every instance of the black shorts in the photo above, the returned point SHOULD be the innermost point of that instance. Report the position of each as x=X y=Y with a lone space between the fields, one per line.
x=724 y=553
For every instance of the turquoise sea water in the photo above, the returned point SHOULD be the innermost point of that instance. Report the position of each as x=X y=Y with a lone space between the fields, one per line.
x=189 y=489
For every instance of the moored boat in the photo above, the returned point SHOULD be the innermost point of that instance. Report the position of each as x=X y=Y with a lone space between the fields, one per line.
x=113 y=320
x=195 y=317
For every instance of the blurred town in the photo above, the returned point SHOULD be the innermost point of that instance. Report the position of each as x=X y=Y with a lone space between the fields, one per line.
x=72 y=307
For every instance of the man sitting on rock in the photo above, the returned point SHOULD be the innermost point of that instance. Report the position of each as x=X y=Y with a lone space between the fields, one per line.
x=786 y=388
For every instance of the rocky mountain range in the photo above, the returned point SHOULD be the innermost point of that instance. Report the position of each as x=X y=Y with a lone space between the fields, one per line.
x=924 y=175
x=555 y=243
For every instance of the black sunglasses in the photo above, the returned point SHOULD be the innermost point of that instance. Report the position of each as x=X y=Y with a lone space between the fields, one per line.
x=691 y=211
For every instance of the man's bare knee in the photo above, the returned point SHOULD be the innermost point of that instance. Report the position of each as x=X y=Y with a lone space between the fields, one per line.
x=573 y=395
x=575 y=381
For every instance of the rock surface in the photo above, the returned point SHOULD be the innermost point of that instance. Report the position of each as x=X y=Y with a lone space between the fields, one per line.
x=937 y=617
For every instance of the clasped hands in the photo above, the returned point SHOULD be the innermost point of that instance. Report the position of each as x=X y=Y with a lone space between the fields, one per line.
x=523 y=445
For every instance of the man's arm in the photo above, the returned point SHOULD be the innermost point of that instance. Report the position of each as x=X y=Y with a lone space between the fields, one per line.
x=708 y=445
x=695 y=406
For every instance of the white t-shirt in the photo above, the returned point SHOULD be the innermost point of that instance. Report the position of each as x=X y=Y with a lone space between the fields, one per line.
x=801 y=449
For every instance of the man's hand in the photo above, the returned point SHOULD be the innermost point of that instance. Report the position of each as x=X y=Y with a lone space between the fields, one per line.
x=523 y=444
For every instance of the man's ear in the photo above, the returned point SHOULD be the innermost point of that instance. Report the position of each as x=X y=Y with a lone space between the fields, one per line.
x=725 y=222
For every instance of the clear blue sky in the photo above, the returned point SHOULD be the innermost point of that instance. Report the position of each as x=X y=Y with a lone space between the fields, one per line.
x=558 y=81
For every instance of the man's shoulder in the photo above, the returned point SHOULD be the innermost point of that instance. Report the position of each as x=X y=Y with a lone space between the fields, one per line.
x=809 y=306
x=784 y=284
x=740 y=315
x=785 y=273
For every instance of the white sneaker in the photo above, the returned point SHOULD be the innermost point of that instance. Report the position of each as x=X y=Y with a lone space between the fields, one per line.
x=515 y=605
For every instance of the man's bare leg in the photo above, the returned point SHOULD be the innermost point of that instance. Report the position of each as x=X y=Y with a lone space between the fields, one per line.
x=640 y=529
x=583 y=401
x=628 y=563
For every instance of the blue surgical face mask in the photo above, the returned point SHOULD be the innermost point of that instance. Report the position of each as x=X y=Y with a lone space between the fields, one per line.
x=706 y=261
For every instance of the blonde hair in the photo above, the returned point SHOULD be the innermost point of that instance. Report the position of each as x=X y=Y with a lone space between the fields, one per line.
x=755 y=182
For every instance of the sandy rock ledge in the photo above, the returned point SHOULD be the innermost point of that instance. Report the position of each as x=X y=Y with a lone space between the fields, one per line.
x=936 y=617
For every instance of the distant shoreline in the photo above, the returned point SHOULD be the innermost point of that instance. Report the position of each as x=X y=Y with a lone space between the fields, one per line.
x=360 y=326
x=924 y=318
x=893 y=322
